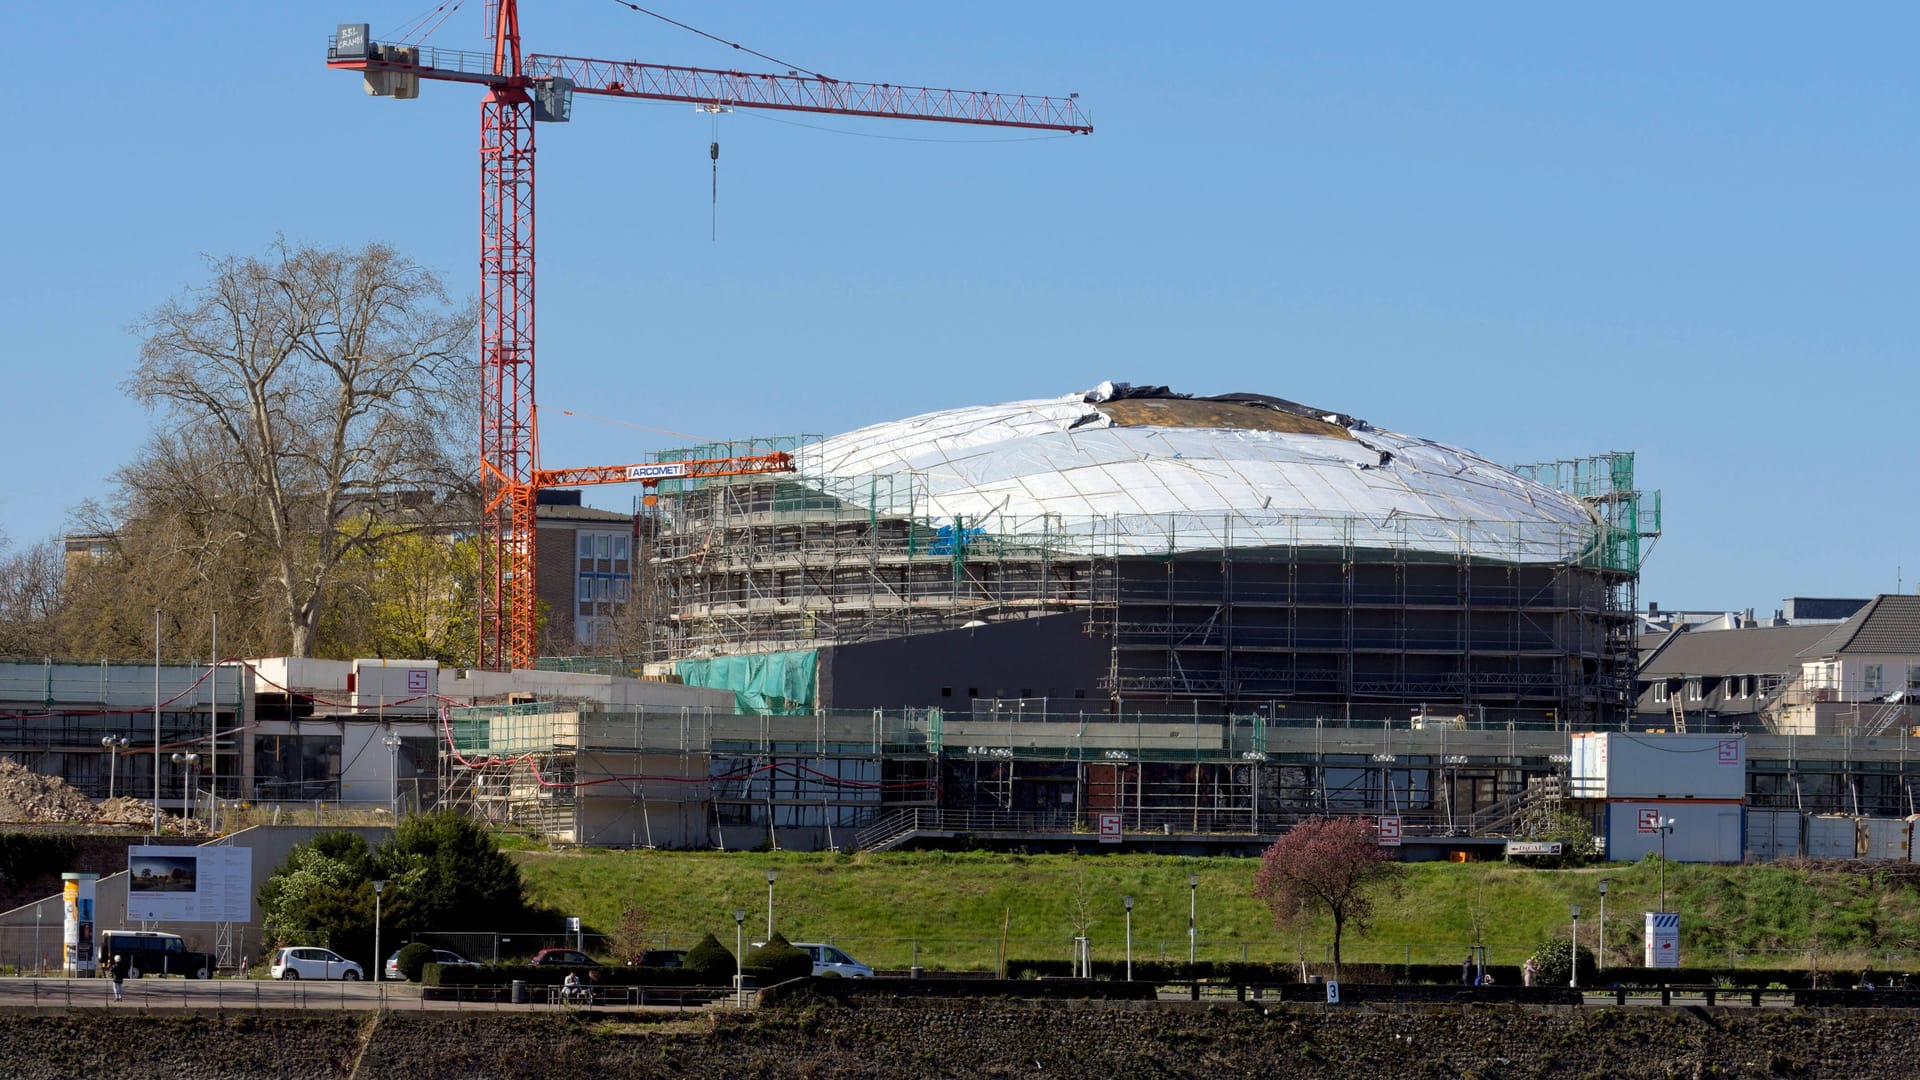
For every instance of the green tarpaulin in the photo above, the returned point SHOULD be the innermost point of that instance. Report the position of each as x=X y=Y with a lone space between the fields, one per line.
x=773 y=684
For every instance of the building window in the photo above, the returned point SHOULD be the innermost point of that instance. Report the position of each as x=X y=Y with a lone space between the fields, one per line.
x=1693 y=689
x=586 y=596
x=1660 y=691
x=1870 y=677
x=1913 y=676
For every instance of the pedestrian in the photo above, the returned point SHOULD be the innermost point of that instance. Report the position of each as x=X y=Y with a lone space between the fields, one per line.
x=1466 y=971
x=1527 y=972
x=118 y=970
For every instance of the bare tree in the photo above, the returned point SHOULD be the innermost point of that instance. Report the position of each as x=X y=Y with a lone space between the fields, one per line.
x=308 y=398
x=30 y=587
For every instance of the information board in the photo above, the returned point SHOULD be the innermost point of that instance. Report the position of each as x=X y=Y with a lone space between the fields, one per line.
x=189 y=884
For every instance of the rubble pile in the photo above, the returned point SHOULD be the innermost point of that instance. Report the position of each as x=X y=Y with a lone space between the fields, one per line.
x=28 y=798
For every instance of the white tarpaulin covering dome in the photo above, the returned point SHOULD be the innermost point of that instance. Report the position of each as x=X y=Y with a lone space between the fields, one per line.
x=1123 y=471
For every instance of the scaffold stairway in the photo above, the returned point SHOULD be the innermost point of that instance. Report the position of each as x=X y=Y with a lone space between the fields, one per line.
x=887 y=830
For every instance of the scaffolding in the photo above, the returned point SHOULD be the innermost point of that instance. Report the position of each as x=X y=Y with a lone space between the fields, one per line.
x=1530 y=617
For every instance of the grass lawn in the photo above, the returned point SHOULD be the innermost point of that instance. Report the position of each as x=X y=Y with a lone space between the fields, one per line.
x=952 y=905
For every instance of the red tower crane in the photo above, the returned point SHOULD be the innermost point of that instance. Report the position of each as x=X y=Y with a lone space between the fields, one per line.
x=541 y=90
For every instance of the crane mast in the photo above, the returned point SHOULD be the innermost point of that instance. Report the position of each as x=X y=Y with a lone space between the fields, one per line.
x=516 y=98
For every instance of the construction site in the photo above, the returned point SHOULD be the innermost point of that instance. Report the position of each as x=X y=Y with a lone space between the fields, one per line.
x=1211 y=616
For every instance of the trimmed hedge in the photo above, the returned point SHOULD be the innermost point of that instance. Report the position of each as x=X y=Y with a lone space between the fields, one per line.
x=1168 y=972
x=503 y=974
x=780 y=960
x=413 y=956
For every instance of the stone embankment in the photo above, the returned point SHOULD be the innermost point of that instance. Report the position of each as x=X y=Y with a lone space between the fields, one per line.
x=970 y=1039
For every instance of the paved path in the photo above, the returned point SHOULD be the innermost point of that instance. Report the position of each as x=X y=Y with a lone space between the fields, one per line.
x=156 y=993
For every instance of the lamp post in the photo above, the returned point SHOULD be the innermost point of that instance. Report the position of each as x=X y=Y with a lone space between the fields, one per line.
x=1193 y=909
x=739 y=968
x=1128 y=900
x=187 y=762
x=379 y=967
x=771 y=874
x=392 y=743
x=113 y=744
x=1665 y=827
x=1603 y=922
x=1573 y=957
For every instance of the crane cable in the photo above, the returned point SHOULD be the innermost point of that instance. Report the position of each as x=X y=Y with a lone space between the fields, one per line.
x=713 y=154
x=714 y=37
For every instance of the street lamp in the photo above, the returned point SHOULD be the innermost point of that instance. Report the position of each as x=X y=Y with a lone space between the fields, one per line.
x=771 y=874
x=1573 y=957
x=187 y=761
x=113 y=744
x=739 y=968
x=1193 y=909
x=1603 y=922
x=1128 y=900
x=392 y=743
x=1665 y=825
x=379 y=967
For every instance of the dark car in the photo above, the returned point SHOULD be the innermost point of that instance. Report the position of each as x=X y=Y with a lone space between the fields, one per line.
x=663 y=958
x=562 y=958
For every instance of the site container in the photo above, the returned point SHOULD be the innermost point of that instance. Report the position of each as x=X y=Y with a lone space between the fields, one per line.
x=396 y=686
x=1703 y=831
x=1641 y=765
x=1831 y=836
x=1773 y=834
x=1882 y=839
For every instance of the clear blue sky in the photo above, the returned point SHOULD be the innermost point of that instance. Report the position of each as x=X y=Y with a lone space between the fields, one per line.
x=1537 y=231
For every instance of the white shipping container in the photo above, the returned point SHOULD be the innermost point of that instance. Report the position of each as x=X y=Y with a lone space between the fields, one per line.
x=1882 y=839
x=402 y=687
x=1912 y=855
x=1773 y=834
x=1703 y=832
x=1831 y=836
x=1616 y=765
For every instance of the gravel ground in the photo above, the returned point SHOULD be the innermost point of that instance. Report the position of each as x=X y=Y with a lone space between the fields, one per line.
x=971 y=1039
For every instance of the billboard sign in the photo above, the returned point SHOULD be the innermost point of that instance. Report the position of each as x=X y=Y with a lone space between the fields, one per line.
x=183 y=884
x=1390 y=831
x=1109 y=828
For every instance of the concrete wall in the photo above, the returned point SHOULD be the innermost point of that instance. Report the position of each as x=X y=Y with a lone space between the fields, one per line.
x=270 y=845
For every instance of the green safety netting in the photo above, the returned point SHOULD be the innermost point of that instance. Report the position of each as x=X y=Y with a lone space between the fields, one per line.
x=767 y=684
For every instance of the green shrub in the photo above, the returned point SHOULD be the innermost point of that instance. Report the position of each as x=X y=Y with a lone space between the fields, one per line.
x=1553 y=962
x=710 y=962
x=413 y=957
x=778 y=961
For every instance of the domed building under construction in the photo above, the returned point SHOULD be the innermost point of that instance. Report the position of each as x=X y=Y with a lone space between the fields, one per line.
x=1191 y=620
x=1132 y=549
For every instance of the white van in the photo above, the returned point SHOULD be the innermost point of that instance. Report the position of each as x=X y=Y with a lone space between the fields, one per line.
x=149 y=952
x=829 y=960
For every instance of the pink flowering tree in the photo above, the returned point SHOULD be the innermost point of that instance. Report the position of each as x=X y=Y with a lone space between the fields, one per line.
x=1333 y=865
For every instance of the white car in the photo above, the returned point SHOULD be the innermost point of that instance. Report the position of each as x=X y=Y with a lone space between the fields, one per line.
x=308 y=962
x=445 y=957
